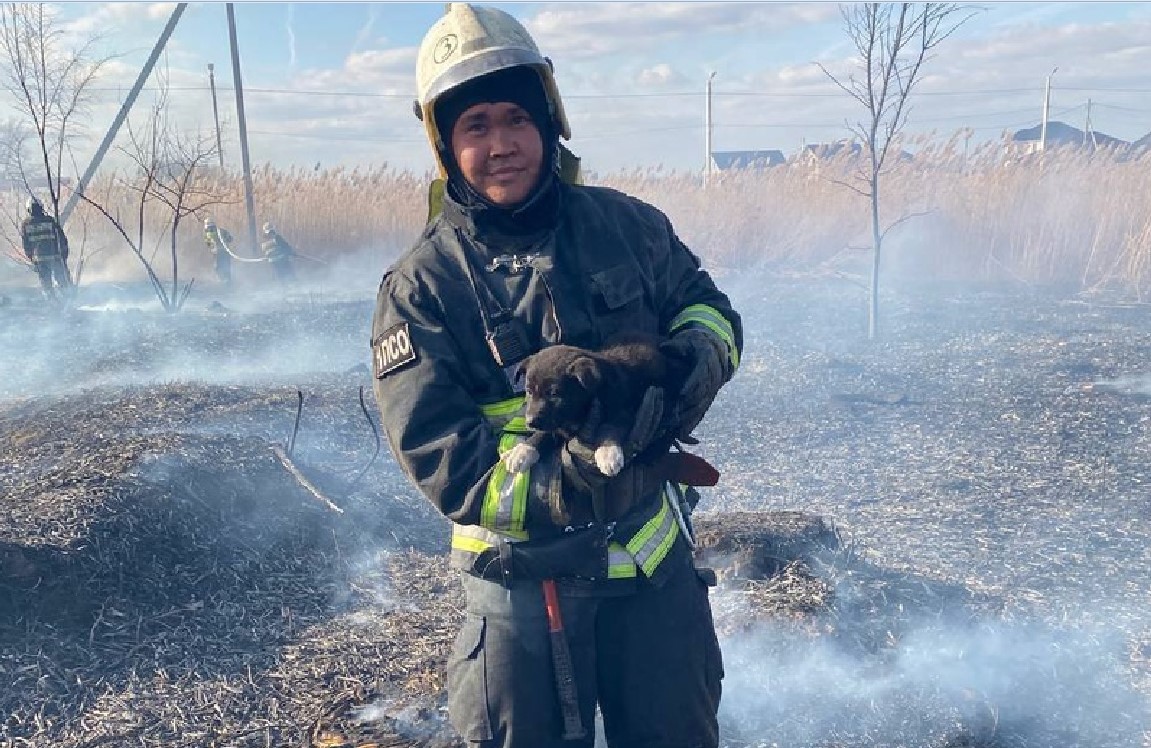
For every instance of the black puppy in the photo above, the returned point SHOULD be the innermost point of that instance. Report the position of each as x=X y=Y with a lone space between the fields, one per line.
x=563 y=382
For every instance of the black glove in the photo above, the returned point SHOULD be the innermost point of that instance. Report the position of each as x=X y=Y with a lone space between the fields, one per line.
x=710 y=368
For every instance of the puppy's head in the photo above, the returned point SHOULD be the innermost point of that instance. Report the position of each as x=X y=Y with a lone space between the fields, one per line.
x=560 y=383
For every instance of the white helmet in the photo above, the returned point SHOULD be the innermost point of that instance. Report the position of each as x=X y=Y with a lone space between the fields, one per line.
x=469 y=42
x=268 y=227
x=209 y=224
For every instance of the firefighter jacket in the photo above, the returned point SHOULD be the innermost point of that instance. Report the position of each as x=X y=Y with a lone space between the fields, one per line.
x=43 y=239
x=611 y=264
x=218 y=240
x=276 y=248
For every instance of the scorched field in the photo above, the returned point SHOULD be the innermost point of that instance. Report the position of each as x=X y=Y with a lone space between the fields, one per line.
x=939 y=538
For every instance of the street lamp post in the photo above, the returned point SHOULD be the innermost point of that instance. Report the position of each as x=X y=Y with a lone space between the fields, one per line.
x=1046 y=111
x=707 y=164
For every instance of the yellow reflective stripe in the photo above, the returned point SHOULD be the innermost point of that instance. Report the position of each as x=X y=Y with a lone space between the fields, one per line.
x=710 y=318
x=476 y=539
x=503 y=407
x=650 y=545
x=619 y=562
x=506 y=499
x=471 y=545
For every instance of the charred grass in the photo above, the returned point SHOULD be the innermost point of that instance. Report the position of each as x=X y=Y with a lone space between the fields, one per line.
x=937 y=539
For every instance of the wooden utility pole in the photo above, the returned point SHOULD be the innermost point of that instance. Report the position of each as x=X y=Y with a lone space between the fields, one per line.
x=216 y=115
x=121 y=115
x=249 y=202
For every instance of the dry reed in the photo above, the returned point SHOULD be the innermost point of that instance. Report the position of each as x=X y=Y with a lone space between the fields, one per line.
x=1072 y=219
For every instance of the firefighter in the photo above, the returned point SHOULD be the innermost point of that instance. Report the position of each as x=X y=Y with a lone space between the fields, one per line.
x=219 y=242
x=278 y=252
x=516 y=259
x=47 y=247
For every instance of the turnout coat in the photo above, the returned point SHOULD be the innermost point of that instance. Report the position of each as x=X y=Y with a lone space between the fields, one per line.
x=612 y=264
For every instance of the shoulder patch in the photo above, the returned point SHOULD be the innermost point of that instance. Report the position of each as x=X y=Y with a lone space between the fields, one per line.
x=392 y=349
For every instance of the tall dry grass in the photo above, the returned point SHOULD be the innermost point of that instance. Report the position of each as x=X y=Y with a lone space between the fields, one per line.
x=1069 y=218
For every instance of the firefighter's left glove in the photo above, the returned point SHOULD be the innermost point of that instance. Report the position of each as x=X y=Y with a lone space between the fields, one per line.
x=596 y=464
x=710 y=368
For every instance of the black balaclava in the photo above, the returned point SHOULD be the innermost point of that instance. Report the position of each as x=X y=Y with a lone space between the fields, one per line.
x=520 y=85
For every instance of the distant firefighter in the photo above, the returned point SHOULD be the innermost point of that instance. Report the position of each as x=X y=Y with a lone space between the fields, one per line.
x=278 y=252
x=47 y=247
x=219 y=243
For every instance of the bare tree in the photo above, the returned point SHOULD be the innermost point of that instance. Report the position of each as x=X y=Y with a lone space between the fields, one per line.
x=892 y=41
x=48 y=81
x=170 y=169
x=181 y=184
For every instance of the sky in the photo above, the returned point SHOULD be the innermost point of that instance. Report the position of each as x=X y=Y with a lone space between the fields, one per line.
x=333 y=83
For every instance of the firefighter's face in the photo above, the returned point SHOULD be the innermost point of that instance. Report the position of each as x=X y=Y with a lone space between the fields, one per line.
x=499 y=151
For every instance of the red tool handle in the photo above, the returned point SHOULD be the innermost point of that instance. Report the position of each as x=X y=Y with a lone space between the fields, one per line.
x=552 y=605
x=561 y=660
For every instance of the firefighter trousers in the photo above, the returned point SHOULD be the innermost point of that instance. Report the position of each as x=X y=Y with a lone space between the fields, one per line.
x=650 y=659
x=53 y=274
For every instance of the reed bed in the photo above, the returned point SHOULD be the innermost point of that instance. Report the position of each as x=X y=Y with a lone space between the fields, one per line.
x=1070 y=218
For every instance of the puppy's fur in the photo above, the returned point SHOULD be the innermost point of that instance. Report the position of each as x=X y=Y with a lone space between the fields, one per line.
x=563 y=382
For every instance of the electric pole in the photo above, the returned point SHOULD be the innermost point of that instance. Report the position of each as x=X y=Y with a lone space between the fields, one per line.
x=707 y=127
x=216 y=115
x=249 y=201
x=1046 y=111
x=1088 y=133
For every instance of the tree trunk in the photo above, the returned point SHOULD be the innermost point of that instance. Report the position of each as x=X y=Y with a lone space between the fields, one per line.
x=877 y=252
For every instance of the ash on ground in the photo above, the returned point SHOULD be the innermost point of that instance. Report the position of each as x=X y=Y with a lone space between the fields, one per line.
x=934 y=539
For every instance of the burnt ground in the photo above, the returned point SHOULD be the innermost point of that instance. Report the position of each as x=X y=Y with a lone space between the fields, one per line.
x=937 y=539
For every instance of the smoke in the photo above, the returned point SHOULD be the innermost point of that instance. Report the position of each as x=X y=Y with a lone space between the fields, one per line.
x=939 y=684
x=1132 y=384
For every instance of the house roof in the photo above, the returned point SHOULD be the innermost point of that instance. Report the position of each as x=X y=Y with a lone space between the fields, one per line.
x=747 y=159
x=828 y=150
x=1061 y=133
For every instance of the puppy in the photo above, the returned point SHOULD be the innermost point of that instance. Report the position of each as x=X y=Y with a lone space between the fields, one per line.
x=563 y=382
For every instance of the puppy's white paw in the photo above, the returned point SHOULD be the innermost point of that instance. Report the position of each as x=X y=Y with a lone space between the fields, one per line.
x=520 y=457
x=609 y=459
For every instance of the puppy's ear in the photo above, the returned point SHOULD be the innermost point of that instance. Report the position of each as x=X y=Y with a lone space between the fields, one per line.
x=586 y=371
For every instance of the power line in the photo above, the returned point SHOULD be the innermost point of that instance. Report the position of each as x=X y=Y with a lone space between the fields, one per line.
x=642 y=94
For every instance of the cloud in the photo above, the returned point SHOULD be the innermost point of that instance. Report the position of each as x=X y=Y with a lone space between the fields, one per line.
x=588 y=30
x=382 y=71
x=118 y=15
x=658 y=76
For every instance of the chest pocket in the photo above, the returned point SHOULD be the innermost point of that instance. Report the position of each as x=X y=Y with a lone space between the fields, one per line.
x=619 y=301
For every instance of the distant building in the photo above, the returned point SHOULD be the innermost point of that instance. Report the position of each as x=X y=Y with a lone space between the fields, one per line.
x=1059 y=133
x=725 y=160
x=815 y=152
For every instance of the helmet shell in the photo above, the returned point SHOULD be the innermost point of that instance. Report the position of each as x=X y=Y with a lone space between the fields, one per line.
x=469 y=42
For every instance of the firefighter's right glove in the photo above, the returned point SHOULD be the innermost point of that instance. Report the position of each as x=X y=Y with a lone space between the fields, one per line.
x=593 y=465
x=710 y=368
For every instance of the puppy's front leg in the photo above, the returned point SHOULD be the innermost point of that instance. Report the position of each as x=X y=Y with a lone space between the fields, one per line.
x=523 y=455
x=609 y=457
